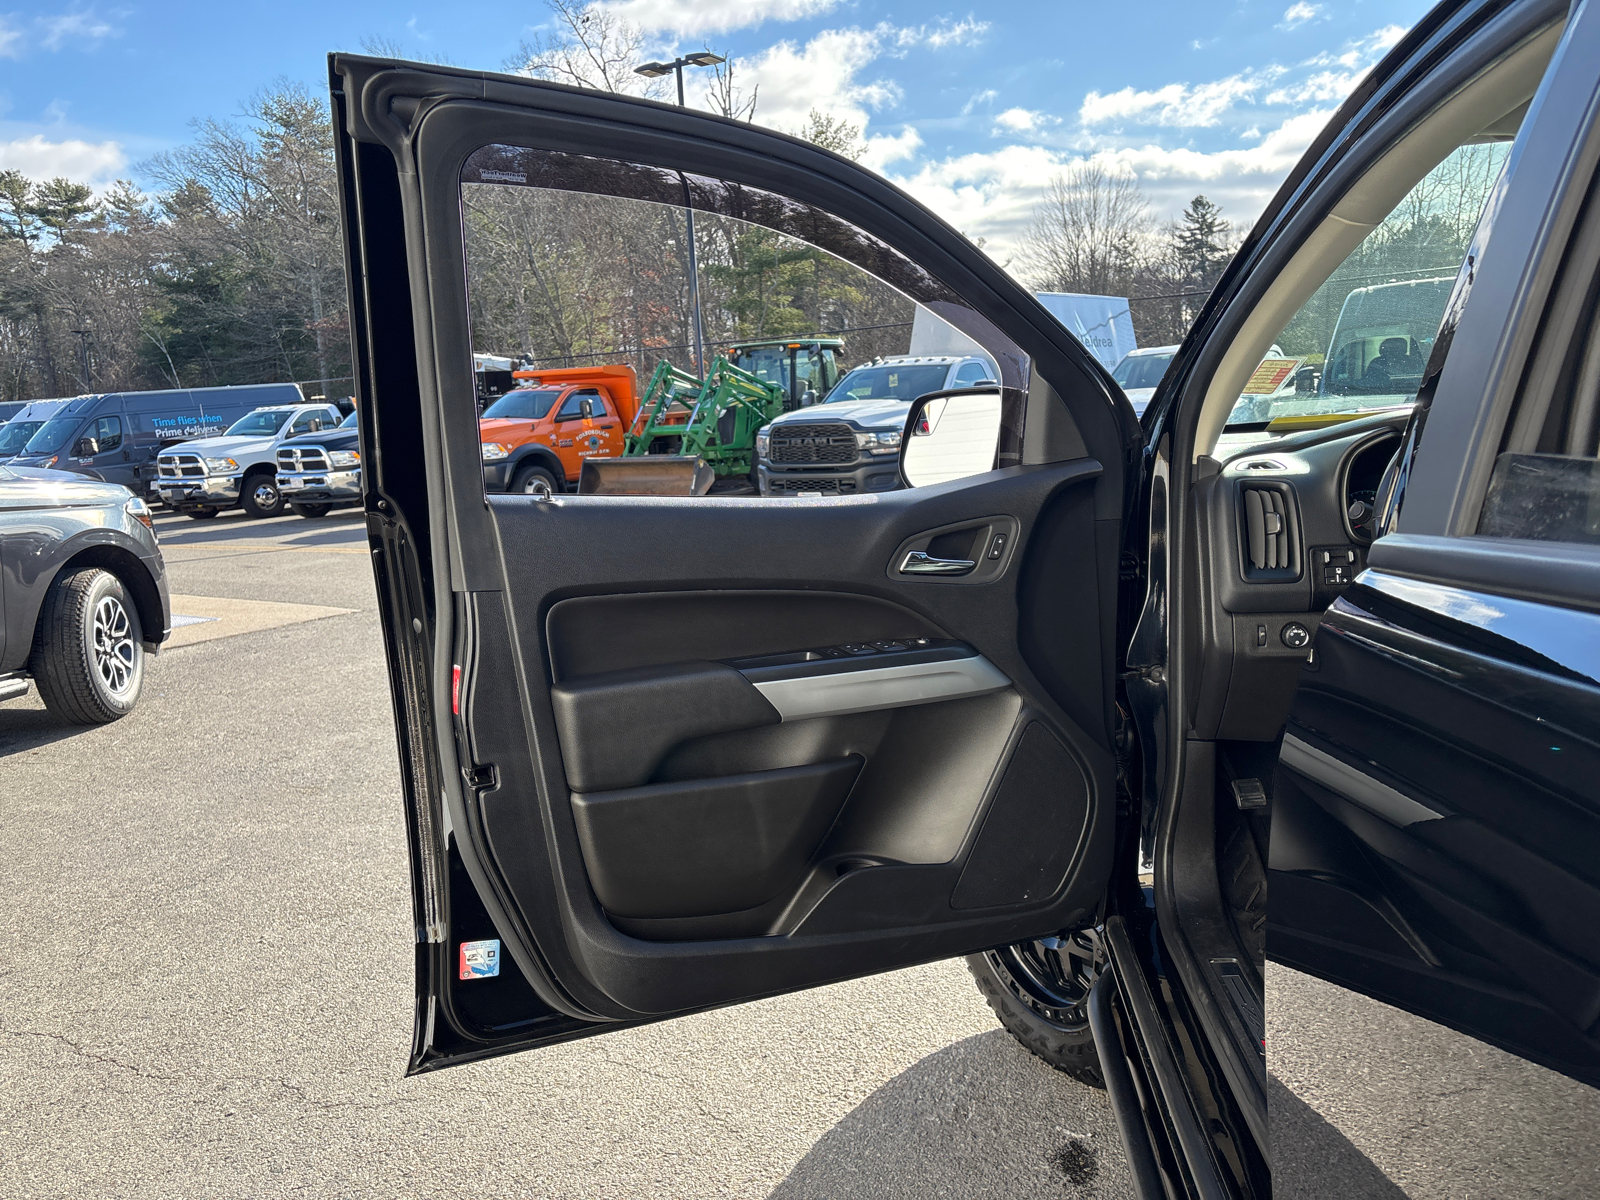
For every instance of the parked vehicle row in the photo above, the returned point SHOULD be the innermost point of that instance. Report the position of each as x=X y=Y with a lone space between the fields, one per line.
x=206 y=476
x=200 y=451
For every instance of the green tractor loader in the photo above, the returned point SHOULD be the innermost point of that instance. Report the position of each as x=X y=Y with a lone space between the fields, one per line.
x=692 y=434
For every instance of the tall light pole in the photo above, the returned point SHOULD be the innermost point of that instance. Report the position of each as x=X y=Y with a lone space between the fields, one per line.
x=654 y=70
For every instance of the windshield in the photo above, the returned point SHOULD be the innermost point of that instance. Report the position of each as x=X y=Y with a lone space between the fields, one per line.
x=14 y=436
x=812 y=369
x=349 y=422
x=260 y=424
x=1361 y=342
x=1142 y=370
x=889 y=383
x=53 y=436
x=526 y=404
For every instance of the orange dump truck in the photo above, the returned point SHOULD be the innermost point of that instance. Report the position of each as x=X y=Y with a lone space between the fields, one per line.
x=537 y=436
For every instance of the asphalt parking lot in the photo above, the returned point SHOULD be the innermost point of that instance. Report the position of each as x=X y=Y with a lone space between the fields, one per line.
x=206 y=978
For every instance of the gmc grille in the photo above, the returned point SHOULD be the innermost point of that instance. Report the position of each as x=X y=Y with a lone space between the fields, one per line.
x=812 y=444
x=303 y=458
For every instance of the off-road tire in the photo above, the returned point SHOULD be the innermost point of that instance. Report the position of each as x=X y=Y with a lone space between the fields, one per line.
x=257 y=506
x=87 y=660
x=528 y=477
x=201 y=514
x=311 y=510
x=1061 y=1037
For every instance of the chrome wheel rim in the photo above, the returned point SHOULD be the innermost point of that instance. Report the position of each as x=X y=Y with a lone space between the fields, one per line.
x=1053 y=976
x=115 y=654
x=537 y=485
x=266 y=495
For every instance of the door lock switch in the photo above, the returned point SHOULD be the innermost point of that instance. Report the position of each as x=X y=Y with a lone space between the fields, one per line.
x=997 y=546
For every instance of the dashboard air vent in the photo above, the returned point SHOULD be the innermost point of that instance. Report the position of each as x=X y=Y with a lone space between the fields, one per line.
x=1271 y=532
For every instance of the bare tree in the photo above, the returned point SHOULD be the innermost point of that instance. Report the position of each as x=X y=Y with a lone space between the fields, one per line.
x=725 y=97
x=589 y=46
x=1088 y=233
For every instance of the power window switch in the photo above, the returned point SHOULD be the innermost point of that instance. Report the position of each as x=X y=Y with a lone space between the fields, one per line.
x=858 y=648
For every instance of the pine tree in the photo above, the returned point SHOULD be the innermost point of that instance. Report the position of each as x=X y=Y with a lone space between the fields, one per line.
x=1200 y=242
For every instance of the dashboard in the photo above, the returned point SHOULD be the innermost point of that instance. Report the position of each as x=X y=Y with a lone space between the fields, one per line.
x=1283 y=528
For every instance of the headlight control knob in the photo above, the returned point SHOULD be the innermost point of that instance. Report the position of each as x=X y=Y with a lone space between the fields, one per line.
x=1295 y=636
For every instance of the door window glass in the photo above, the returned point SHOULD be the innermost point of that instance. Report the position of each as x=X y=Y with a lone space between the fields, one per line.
x=732 y=311
x=1546 y=479
x=572 y=407
x=1362 y=341
x=108 y=433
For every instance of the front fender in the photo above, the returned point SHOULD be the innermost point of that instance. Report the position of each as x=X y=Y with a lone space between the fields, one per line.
x=41 y=543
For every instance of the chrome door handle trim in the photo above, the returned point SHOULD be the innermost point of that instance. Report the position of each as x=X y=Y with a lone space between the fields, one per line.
x=874 y=688
x=920 y=562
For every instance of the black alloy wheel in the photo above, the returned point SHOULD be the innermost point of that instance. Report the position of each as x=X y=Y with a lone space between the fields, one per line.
x=260 y=497
x=1040 y=991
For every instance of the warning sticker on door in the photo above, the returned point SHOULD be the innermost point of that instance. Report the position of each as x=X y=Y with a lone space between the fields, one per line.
x=480 y=960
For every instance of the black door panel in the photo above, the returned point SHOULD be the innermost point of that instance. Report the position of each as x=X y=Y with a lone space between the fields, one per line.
x=682 y=753
x=807 y=840
x=1435 y=817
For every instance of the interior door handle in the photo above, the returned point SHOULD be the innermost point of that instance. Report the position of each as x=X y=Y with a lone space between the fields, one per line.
x=920 y=562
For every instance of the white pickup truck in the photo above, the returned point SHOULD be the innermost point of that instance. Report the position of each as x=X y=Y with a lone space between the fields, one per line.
x=203 y=477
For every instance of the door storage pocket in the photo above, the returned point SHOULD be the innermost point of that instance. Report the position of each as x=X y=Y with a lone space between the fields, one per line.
x=705 y=846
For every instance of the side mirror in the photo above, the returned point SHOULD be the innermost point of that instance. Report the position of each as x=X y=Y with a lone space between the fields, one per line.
x=808 y=398
x=586 y=408
x=86 y=448
x=1306 y=380
x=950 y=435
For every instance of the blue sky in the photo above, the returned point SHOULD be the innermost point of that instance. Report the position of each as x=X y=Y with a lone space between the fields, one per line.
x=971 y=108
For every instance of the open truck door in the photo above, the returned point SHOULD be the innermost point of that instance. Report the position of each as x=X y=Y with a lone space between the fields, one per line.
x=665 y=754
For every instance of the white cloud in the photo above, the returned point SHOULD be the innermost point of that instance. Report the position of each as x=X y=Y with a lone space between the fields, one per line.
x=1023 y=120
x=10 y=40
x=1298 y=13
x=692 y=18
x=83 y=162
x=1341 y=71
x=75 y=29
x=987 y=96
x=958 y=33
x=821 y=75
x=1176 y=104
x=992 y=195
x=886 y=149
